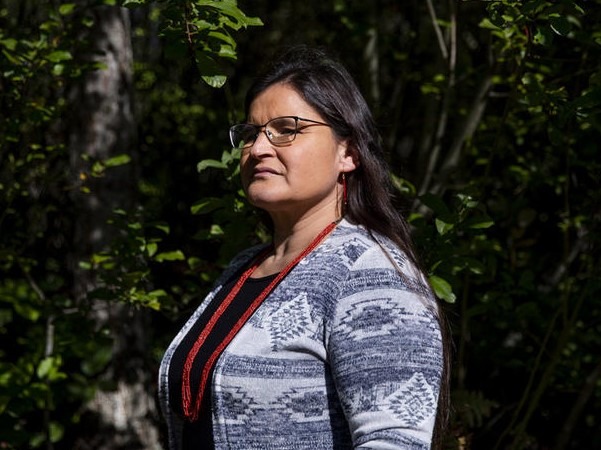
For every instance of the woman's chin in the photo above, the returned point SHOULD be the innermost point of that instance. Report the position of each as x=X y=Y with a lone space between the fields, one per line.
x=263 y=198
x=270 y=206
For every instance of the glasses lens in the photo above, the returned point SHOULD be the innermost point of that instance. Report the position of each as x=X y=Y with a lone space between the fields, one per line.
x=281 y=130
x=243 y=135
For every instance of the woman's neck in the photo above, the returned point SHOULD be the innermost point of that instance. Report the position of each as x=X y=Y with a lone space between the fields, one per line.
x=290 y=240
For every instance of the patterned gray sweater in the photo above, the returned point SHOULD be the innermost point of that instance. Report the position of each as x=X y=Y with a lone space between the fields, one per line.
x=344 y=353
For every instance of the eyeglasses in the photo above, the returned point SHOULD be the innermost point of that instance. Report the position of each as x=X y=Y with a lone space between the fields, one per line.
x=279 y=131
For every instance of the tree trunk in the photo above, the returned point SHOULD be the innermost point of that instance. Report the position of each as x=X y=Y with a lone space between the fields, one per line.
x=103 y=127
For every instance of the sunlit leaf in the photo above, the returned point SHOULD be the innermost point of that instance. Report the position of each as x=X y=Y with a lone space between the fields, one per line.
x=443 y=227
x=442 y=288
x=66 y=8
x=206 y=205
x=59 y=55
x=151 y=248
x=487 y=24
x=118 y=160
x=215 y=81
x=206 y=163
x=44 y=367
x=479 y=223
x=176 y=255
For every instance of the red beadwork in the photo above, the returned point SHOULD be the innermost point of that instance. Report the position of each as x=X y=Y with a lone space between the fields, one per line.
x=192 y=409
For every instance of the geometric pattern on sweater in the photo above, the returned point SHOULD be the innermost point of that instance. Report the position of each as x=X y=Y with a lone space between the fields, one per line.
x=305 y=404
x=376 y=316
x=414 y=402
x=239 y=405
x=289 y=321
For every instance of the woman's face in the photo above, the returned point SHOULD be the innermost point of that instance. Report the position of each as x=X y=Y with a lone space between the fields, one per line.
x=299 y=177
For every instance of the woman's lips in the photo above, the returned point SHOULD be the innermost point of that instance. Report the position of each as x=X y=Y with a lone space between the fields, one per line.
x=263 y=171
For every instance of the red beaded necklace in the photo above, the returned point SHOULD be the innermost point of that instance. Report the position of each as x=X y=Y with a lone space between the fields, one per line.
x=191 y=407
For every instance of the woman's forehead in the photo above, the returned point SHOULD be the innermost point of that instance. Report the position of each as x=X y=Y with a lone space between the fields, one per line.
x=280 y=100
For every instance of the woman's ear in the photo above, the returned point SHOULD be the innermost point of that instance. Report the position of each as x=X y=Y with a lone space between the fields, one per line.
x=349 y=159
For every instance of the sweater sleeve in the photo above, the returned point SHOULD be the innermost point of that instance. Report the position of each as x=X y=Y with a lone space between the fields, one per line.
x=385 y=351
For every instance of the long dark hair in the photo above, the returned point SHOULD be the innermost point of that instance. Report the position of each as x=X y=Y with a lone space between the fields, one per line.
x=328 y=87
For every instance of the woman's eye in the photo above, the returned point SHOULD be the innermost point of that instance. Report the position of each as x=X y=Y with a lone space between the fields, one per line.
x=283 y=130
x=286 y=131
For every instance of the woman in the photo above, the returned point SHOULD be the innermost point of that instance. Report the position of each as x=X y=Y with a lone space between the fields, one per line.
x=329 y=337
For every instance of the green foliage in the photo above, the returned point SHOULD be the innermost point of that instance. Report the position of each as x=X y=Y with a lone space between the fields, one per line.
x=451 y=246
x=234 y=222
x=533 y=164
x=53 y=351
x=201 y=29
x=124 y=269
x=37 y=64
x=491 y=112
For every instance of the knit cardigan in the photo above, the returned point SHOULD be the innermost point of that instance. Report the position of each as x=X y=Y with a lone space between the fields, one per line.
x=346 y=352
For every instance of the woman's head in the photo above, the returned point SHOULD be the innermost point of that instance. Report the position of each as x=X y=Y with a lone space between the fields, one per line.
x=291 y=158
x=327 y=87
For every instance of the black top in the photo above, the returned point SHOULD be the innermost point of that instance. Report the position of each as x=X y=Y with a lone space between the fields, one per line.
x=198 y=435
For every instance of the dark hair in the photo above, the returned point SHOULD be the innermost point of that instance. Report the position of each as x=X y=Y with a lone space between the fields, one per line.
x=328 y=87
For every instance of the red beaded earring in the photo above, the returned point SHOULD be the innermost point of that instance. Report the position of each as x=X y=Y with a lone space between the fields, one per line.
x=344 y=190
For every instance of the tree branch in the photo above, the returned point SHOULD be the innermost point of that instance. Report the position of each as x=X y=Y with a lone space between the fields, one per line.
x=441 y=43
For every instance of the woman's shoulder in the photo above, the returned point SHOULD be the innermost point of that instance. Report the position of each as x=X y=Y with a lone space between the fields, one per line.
x=368 y=255
x=358 y=245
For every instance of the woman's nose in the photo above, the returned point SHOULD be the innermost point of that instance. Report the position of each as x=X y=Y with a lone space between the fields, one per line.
x=262 y=145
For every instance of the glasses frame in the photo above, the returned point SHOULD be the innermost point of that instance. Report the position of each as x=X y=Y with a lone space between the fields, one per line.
x=263 y=128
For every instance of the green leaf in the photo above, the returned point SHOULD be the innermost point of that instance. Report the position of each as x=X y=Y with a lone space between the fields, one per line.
x=27 y=312
x=118 y=160
x=66 y=9
x=543 y=36
x=151 y=299
x=442 y=289
x=216 y=230
x=10 y=44
x=403 y=185
x=206 y=163
x=164 y=227
x=49 y=368
x=44 y=367
x=479 y=223
x=57 y=431
x=151 y=248
x=443 y=227
x=59 y=55
x=176 y=255
x=223 y=37
x=206 y=205
x=488 y=25
x=98 y=258
x=215 y=81
x=230 y=8
x=128 y=3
